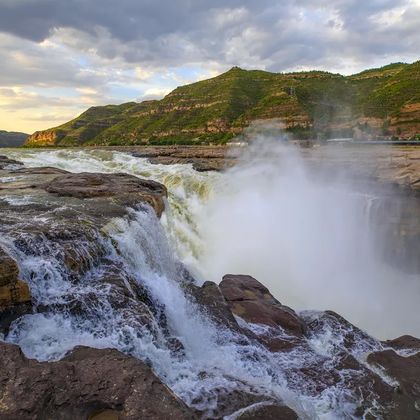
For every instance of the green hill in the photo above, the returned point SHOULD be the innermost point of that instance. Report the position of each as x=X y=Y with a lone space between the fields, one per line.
x=376 y=102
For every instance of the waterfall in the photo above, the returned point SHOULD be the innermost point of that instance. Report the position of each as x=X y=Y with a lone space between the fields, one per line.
x=131 y=293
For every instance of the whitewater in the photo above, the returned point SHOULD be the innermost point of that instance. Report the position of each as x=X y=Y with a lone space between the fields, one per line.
x=311 y=242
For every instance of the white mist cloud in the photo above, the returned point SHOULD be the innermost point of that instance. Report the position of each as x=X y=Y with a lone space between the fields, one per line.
x=308 y=237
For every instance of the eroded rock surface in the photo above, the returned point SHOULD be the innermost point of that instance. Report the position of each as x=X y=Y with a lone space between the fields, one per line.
x=268 y=412
x=6 y=162
x=126 y=188
x=405 y=370
x=254 y=303
x=15 y=296
x=87 y=382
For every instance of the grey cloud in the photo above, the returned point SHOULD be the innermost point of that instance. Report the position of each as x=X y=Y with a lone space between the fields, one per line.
x=277 y=35
x=177 y=32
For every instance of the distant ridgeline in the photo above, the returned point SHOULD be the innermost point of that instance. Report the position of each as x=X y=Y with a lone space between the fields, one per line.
x=378 y=103
x=12 y=139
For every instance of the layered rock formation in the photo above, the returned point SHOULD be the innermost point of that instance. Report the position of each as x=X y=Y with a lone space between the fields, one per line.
x=373 y=104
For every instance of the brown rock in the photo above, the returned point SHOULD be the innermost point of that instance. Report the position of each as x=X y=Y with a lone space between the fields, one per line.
x=253 y=302
x=212 y=302
x=351 y=336
x=8 y=269
x=406 y=371
x=5 y=161
x=42 y=170
x=126 y=188
x=88 y=383
x=268 y=412
x=404 y=342
x=15 y=296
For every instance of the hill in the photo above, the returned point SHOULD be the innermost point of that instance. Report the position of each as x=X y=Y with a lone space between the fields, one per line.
x=12 y=139
x=374 y=103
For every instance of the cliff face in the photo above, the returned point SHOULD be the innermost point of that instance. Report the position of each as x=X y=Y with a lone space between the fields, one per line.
x=374 y=103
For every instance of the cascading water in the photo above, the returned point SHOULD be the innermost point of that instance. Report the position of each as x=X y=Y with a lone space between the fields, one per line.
x=241 y=207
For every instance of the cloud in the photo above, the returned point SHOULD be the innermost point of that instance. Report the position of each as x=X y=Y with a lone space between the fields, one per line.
x=154 y=93
x=143 y=48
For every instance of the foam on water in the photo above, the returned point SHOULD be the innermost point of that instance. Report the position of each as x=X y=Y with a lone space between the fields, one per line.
x=214 y=223
x=270 y=218
x=145 y=253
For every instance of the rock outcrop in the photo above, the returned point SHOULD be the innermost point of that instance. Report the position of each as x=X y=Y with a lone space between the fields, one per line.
x=122 y=187
x=5 y=162
x=15 y=297
x=267 y=412
x=405 y=370
x=253 y=302
x=86 y=384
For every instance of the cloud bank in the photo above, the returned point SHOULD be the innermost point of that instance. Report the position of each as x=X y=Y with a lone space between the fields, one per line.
x=69 y=54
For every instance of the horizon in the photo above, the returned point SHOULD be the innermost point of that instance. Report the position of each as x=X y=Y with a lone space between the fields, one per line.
x=61 y=57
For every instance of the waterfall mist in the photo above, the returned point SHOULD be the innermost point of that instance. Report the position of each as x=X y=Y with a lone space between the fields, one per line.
x=307 y=233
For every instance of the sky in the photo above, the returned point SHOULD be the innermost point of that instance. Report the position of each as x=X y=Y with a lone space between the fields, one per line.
x=59 y=57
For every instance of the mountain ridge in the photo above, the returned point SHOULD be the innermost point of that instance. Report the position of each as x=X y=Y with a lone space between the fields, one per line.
x=12 y=138
x=375 y=103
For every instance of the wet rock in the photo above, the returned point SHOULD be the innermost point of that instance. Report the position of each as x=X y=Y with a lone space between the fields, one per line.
x=268 y=412
x=404 y=342
x=88 y=383
x=6 y=162
x=202 y=158
x=42 y=170
x=223 y=402
x=76 y=244
x=213 y=304
x=406 y=371
x=11 y=313
x=253 y=302
x=126 y=188
x=329 y=323
x=373 y=383
x=9 y=270
x=15 y=296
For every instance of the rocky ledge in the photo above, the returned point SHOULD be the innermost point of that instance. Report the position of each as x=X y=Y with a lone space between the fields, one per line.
x=86 y=384
x=202 y=158
x=50 y=203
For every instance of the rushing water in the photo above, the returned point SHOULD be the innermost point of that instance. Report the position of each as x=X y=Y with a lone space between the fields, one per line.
x=309 y=241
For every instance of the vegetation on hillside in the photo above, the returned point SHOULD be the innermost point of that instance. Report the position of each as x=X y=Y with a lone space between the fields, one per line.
x=306 y=104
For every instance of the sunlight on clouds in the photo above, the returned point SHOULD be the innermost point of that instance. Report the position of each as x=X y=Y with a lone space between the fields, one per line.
x=142 y=74
x=58 y=65
x=390 y=17
x=155 y=93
